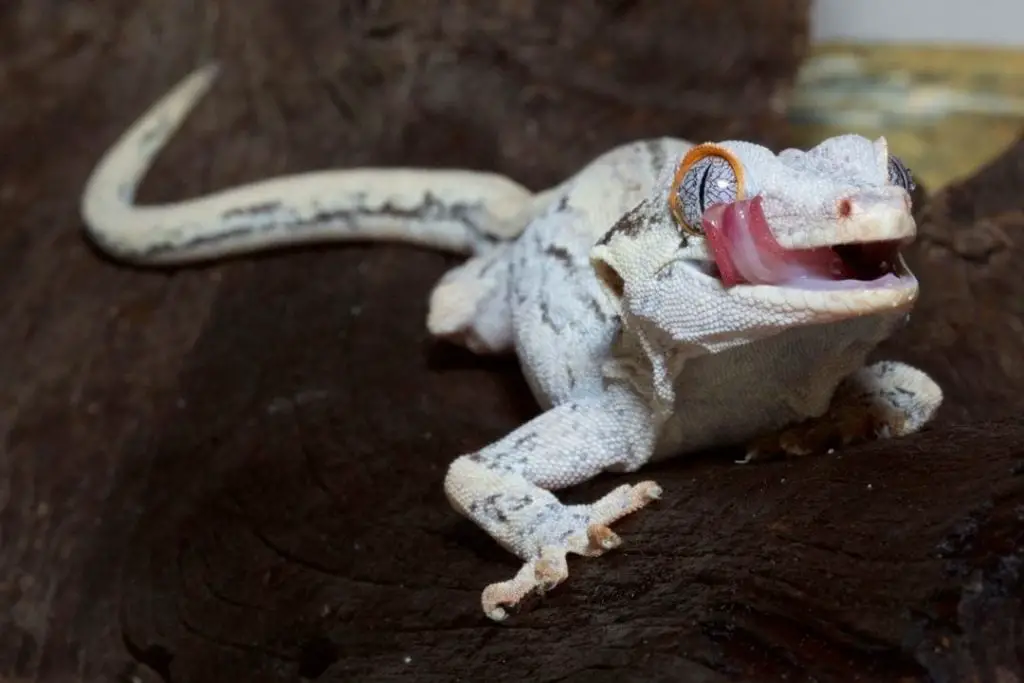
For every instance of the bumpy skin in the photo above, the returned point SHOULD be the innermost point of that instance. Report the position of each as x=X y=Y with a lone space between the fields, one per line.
x=630 y=343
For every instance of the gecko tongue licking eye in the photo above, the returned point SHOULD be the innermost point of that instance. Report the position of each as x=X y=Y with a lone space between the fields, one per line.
x=746 y=252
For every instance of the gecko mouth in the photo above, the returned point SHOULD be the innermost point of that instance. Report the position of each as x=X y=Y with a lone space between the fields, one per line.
x=746 y=252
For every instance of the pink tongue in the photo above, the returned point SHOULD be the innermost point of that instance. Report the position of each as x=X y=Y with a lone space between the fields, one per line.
x=747 y=252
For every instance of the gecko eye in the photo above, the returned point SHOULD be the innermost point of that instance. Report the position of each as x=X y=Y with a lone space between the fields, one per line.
x=900 y=175
x=707 y=176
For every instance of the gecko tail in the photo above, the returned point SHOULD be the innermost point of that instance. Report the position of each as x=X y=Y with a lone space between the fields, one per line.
x=461 y=211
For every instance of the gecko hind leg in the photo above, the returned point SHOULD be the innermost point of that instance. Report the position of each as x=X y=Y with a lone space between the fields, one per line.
x=470 y=307
x=886 y=400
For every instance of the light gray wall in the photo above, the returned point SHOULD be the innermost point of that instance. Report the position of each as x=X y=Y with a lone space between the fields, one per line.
x=997 y=23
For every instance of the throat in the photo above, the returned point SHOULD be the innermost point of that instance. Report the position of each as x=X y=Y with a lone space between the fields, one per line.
x=796 y=374
x=746 y=252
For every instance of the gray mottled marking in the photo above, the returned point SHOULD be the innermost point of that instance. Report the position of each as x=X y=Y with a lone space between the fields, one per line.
x=251 y=210
x=560 y=254
x=629 y=225
x=546 y=319
x=275 y=217
x=665 y=273
x=657 y=151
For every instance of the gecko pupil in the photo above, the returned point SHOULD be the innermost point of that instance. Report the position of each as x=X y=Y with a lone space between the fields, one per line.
x=703 y=187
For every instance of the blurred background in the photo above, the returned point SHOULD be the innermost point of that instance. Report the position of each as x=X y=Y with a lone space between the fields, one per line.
x=942 y=79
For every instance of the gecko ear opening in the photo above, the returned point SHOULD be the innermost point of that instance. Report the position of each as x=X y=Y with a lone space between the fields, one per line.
x=612 y=282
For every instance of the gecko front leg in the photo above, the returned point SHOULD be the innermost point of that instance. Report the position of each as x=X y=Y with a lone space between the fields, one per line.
x=885 y=400
x=506 y=487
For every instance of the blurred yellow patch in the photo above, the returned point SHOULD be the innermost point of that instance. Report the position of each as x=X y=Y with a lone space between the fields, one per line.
x=946 y=110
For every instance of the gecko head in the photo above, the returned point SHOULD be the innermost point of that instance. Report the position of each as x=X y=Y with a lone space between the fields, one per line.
x=737 y=238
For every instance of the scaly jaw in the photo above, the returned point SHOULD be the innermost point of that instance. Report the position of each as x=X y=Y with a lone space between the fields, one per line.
x=746 y=252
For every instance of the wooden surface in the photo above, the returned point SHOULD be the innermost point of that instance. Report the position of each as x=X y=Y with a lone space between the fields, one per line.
x=233 y=473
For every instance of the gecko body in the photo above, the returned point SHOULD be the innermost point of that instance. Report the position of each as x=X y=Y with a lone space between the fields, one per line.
x=665 y=299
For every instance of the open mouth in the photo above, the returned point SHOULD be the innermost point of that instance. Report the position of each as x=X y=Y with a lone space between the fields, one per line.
x=746 y=252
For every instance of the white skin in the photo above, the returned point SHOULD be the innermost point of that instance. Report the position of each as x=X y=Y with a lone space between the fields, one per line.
x=632 y=344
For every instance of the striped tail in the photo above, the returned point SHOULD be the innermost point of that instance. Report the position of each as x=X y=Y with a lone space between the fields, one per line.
x=453 y=210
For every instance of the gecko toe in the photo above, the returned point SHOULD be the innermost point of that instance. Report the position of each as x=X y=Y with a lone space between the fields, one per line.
x=497 y=597
x=536 y=576
x=551 y=569
x=603 y=538
x=623 y=501
x=648 y=491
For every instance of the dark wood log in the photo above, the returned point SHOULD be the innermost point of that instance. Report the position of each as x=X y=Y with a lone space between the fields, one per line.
x=233 y=473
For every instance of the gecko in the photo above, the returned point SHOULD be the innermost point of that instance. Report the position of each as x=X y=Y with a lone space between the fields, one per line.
x=667 y=298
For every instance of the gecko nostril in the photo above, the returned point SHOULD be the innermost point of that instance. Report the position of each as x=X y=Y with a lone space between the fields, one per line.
x=844 y=208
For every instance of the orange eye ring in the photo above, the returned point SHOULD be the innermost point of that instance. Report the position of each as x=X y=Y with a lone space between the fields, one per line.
x=696 y=153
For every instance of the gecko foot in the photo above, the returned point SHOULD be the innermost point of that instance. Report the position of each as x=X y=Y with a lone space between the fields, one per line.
x=885 y=400
x=583 y=530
